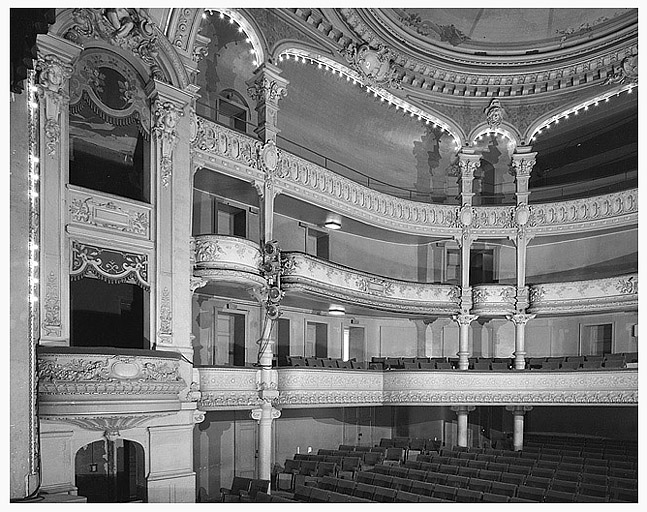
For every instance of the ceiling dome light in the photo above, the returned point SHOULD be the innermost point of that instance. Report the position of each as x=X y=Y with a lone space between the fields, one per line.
x=336 y=310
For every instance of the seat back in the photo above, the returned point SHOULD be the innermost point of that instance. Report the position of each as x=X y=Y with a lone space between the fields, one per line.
x=258 y=485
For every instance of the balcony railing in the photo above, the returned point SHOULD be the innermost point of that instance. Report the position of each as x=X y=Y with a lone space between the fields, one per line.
x=107 y=383
x=237 y=388
x=236 y=154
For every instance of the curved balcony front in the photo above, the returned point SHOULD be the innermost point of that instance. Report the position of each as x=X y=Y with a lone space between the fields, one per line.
x=220 y=148
x=598 y=295
x=106 y=386
x=320 y=387
x=227 y=259
x=315 y=277
x=493 y=300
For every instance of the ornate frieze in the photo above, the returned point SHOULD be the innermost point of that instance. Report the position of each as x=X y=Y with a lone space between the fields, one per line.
x=165 y=330
x=110 y=213
x=326 y=279
x=219 y=140
x=109 y=265
x=228 y=388
x=62 y=373
x=603 y=295
x=592 y=212
x=493 y=299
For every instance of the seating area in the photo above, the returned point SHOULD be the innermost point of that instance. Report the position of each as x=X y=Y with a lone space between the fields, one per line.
x=244 y=489
x=550 y=469
x=601 y=362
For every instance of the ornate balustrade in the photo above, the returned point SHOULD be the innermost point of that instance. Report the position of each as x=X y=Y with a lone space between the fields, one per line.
x=229 y=388
x=324 y=279
x=608 y=295
x=493 y=299
x=95 y=387
x=227 y=258
x=240 y=155
x=236 y=388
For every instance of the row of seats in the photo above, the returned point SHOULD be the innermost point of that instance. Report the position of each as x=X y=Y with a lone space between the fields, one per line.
x=548 y=457
x=609 y=361
x=523 y=473
x=436 y=483
x=244 y=489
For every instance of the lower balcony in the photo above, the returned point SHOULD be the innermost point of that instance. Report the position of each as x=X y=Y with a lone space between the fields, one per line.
x=107 y=387
x=238 y=388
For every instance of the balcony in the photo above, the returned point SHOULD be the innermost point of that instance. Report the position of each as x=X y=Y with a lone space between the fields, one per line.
x=493 y=300
x=598 y=295
x=237 y=388
x=101 y=388
x=227 y=259
x=233 y=153
x=330 y=281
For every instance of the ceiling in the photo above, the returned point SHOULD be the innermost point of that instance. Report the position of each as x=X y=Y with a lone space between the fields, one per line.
x=501 y=28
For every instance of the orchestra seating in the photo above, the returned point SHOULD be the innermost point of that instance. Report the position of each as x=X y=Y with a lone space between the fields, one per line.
x=550 y=469
x=602 y=362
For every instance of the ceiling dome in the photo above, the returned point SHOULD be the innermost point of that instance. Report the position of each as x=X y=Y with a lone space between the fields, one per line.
x=503 y=30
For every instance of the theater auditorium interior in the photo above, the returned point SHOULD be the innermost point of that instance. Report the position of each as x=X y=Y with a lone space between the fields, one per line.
x=323 y=255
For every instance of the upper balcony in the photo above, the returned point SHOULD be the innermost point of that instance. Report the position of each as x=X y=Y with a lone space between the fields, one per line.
x=235 y=154
x=105 y=387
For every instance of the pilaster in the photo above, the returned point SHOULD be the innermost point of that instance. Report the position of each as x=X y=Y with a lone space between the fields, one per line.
x=267 y=87
x=172 y=196
x=54 y=69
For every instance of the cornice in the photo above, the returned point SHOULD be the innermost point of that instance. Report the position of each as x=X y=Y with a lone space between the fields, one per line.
x=448 y=72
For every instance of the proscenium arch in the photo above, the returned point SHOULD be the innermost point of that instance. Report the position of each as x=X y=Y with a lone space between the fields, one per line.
x=305 y=53
x=548 y=118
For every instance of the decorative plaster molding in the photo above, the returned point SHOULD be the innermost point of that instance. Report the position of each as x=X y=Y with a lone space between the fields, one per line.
x=492 y=299
x=327 y=279
x=165 y=331
x=110 y=213
x=610 y=294
x=79 y=377
x=166 y=115
x=374 y=65
x=51 y=324
x=129 y=29
x=109 y=265
x=111 y=425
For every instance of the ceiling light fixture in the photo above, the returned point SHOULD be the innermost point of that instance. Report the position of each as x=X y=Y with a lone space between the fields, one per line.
x=333 y=222
x=336 y=310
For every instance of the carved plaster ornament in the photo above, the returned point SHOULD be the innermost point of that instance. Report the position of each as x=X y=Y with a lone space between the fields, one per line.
x=494 y=113
x=628 y=72
x=376 y=66
x=166 y=115
x=269 y=91
x=112 y=435
x=53 y=76
x=165 y=331
x=130 y=29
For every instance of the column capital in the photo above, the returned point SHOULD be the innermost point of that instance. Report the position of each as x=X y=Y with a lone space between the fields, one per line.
x=463 y=409
x=520 y=318
x=518 y=409
x=522 y=164
x=464 y=319
x=258 y=414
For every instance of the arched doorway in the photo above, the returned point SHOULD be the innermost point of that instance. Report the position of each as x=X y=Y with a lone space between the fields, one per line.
x=111 y=471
